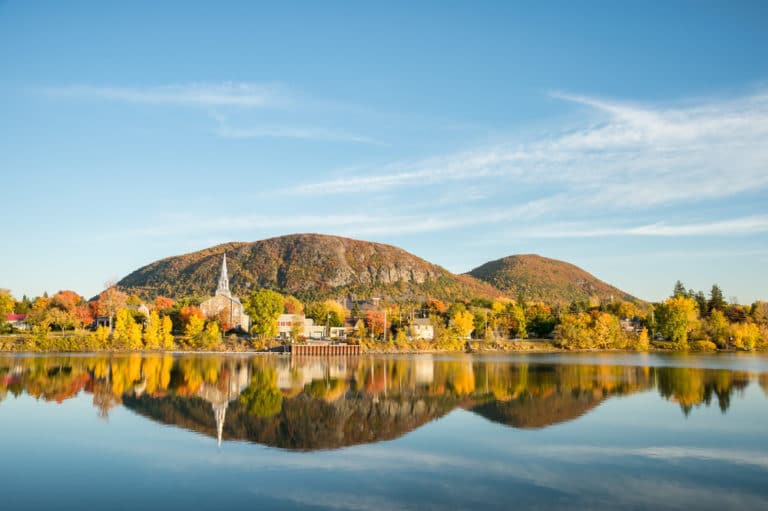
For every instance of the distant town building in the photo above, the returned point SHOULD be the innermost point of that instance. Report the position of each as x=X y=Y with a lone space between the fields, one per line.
x=17 y=321
x=309 y=330
x=226 y=305
x=422 y=329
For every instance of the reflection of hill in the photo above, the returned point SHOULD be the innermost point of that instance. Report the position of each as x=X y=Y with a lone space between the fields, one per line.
x=537 y=412
x=303 y=423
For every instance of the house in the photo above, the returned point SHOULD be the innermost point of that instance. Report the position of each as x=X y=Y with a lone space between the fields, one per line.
x=422 y=328
x=141 y=309
x=224 y=306
x=309 y=329
x=17 y=321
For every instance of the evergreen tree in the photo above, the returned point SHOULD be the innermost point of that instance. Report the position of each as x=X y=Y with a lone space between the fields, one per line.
x=716 y=300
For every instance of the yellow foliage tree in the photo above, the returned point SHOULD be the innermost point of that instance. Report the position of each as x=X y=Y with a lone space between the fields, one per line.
x=123 y=331
x=463 y=323
x=166 y=333
x=193 y=330
x=746 y=336
x=152 y=332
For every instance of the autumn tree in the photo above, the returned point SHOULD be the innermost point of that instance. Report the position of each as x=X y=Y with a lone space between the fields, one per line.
x=519 y=320
x=194 y=329
x=152 y=332
x=328 y=312
x=297 y=327
x=292 y=305
x=462 y=323
x=375 y=323
x=677 y=318
x=643 y=343
x=7 y=303
x=759 y=312
x=163 y=304
x=187 y=313
x=166 y=333
x=264 y=307
x=111 y=300
x=210 y=337
x=126 y=333
x=718 y=328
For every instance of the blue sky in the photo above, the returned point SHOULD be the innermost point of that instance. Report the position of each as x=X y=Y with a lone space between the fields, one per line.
x=629 y=138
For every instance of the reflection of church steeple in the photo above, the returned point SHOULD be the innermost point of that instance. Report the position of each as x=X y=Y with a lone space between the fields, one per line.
x=223 y=288
x=220 y=412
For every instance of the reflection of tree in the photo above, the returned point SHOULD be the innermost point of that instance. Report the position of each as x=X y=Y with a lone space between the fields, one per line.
x=692 y=386
x=262 y=398
x=315 y=402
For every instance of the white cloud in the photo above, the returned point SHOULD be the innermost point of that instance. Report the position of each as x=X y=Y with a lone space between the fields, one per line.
x=226 y=94
x=320 y=134
x=735 y=226
x=622 y=156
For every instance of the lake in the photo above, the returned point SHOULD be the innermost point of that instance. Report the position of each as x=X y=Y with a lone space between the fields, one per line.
x=548 y=431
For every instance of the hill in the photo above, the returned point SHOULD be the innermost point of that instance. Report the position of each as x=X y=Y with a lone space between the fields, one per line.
x=533 y=277
x=308 y=266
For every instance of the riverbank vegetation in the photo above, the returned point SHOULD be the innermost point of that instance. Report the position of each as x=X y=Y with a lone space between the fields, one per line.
x=686 y=321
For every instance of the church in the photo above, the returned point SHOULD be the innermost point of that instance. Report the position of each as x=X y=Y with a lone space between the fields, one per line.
x=224 y=306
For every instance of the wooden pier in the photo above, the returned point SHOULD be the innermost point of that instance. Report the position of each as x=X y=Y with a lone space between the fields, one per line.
x=325 y=350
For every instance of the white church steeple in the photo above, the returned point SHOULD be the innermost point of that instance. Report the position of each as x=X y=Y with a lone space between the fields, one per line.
x=223 y=288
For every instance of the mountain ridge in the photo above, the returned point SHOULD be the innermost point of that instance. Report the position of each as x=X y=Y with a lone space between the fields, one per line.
x=314 y=266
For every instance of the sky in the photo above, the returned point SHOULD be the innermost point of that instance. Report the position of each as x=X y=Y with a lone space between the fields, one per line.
x=628 y=138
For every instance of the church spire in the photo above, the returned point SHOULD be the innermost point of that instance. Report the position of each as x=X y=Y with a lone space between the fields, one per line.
x=223 y=288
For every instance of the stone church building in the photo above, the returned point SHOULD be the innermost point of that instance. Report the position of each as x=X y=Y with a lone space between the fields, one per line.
x=224 y=306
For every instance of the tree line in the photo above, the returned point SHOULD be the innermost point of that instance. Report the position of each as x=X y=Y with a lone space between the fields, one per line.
x=687 y=320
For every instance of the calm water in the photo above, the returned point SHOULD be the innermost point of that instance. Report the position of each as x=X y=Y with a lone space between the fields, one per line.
x=420 y=432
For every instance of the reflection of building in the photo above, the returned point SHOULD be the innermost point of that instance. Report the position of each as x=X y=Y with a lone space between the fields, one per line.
x=224 y=306
x=424 y=369
x=226 y=390
x=297 y=375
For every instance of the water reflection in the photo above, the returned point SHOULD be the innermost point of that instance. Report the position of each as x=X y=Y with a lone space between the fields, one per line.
x=314 y=403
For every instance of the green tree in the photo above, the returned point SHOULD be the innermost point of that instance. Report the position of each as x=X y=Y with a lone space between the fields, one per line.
x=716 y=300
x=210 y=337
x=679 y=290
x=264 y=307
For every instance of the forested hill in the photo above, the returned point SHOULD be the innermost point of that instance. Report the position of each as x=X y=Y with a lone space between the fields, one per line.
x=533 y=277
x=308 y=266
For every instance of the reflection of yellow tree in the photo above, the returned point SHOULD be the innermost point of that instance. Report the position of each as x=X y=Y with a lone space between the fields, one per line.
x=262 y=398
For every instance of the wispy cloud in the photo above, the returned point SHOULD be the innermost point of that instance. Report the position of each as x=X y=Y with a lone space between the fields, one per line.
x=735 y=226
x=226 y=94
x=621 y=156
x=305 y=133
x=240 y=96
